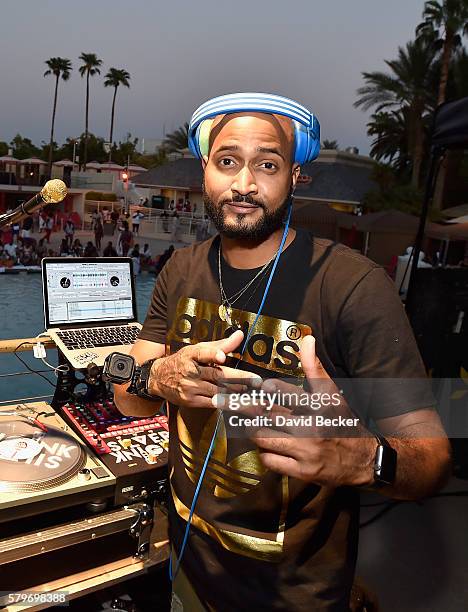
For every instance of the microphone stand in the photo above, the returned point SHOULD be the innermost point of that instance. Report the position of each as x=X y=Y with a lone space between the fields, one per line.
x=18 y=214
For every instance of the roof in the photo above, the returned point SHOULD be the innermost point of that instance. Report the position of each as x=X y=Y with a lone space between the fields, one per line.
x=382 y=221
x=455 y=211
x=32 y=160
x=338 y=182
x=452 y=231
x=185 y=173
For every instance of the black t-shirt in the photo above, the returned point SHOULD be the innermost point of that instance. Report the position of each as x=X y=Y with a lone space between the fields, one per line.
x=258 y=538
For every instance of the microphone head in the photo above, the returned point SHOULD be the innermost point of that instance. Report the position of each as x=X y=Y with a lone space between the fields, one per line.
x=54 y=191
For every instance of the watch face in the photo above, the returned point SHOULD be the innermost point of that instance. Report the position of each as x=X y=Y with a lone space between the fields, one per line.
x=385 y=464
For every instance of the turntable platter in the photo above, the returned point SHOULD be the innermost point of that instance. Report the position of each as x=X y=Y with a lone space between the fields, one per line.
x=34 y=460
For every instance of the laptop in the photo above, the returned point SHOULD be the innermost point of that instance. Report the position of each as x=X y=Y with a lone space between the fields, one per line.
x=90 y=307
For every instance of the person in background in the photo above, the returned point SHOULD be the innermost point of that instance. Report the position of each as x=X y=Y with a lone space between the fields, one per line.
x=19 y=249
x=95 y=217
x=98 y=233
x=64 y=249
x=42 y=221
x=136 y=220
x=90 y=250
x=15 y=230
x=175 y=227
x=145 y=254
x=49 y=226
x=135 y=255
x=27 y=257
x=41 y=250
x=135 y=251
x=163 y=259
x=125 y=239
x=27 y=228
x=109 y=251
x=164 y=221
x=114 y=219
x=69 y=229
x=77 y=248
x=10 y=250
x=4 y=259
x=172 y=205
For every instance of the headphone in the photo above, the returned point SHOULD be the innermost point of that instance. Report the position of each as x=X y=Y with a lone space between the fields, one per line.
x=306 y=125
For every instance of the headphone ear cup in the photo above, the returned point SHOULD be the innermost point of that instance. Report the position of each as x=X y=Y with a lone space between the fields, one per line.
x=193 y=141
x=301 y=143
x=314 y=140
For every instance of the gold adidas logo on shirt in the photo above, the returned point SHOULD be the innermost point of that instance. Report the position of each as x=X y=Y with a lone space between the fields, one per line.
x=274 y=345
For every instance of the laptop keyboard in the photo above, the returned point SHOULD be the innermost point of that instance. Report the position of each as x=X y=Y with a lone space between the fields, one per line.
x=93 y=337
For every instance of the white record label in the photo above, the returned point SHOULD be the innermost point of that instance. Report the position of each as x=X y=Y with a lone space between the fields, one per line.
x=19 y=449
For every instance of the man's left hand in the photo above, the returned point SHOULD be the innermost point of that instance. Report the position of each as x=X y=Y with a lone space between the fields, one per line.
x=327 y=457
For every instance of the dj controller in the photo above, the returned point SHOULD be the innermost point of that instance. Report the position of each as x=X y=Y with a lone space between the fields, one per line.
x=134 y=449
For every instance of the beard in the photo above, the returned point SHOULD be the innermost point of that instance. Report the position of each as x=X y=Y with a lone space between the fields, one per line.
x=262 y=228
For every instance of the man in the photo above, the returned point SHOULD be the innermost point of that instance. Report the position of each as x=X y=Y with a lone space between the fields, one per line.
x=114 y=219
x=69 y=229
x=275 y=522
x=136 y=220
x=109 y=251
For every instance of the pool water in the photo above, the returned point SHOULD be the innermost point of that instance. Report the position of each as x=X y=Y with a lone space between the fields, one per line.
x=22 y=316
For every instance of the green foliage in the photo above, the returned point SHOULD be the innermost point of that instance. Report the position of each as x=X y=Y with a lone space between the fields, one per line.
x=116 y=77
x=151 y=161
x=3 y=148
x=90 y=64
x=177 y=140
x=24 y=148
x=330 y=144
x=59 y=67
x=391 y=193
x=124 y=151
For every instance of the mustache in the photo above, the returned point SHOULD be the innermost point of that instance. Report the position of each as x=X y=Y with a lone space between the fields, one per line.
x=248 y=199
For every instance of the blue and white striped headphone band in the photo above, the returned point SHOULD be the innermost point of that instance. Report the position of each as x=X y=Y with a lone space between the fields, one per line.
x=267 y=103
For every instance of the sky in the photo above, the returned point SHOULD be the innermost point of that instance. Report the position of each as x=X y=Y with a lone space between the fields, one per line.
x=180 y=53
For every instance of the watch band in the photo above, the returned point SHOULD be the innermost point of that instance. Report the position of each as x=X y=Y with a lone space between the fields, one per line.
x=139 y=383
x=385 y=462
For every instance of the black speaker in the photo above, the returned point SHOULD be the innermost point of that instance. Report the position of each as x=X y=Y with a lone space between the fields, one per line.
x=438 y=313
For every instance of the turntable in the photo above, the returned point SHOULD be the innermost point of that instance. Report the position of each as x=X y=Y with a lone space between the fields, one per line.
x=43 y=464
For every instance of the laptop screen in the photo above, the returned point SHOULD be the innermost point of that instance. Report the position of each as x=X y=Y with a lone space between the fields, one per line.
x=78 y=291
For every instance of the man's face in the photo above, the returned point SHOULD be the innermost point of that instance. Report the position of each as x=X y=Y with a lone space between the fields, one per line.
x=249 y=174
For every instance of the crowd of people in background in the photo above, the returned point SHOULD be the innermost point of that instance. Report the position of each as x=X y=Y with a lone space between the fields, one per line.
x=19 y=248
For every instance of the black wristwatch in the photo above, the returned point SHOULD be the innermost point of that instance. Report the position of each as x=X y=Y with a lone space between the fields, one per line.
x=120 y=368
x=140 y=380
x=385 y=463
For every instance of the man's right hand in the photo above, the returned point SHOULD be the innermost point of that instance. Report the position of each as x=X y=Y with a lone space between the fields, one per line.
x=194 y=374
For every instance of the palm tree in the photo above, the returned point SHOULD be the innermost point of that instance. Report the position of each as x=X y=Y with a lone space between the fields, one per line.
x=406 y=87
x=177 y=140
x=89 y=67
x=391 y=139
x=59 y=67
x=114 y=78
x=330 y=144
x=444 y=25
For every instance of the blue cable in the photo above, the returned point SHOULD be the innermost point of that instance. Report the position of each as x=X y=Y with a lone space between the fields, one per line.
x=173 y=574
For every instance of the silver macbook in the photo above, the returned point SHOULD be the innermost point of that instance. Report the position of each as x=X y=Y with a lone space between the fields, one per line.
x=90 y=307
